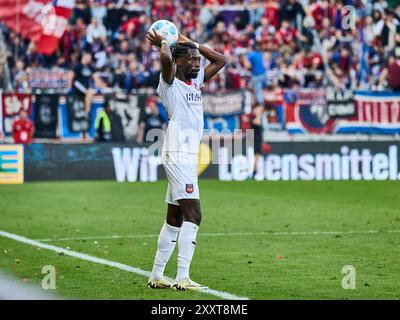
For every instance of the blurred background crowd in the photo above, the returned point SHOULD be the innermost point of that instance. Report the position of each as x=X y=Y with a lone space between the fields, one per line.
x=347 y=44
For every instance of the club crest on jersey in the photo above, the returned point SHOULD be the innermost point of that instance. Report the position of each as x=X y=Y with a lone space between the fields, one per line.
x=189 y=188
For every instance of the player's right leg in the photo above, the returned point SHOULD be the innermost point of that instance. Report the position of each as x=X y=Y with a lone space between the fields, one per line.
x=166 y=245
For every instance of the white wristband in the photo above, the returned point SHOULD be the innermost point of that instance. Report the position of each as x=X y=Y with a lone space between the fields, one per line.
x=196 y=44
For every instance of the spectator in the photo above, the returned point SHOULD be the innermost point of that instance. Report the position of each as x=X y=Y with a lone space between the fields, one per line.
x=258 y=72
x=98 y=51
x=69 y=41
x=102 y=124
x=393 y=72
x=23 y=129
x=81 y=10
x=20 y=79
x=343 y=59
x=95 y=30
x=292 y=11
x=287 y=34
x=207 y=16
x=233 y=79
x=255 y=12
x=271 y=13
x=80 y=32
x=114 y=16
x=98 y=9
x=134 y=27
x=150 y=119
x=396 y=49
x=108 y=123
x=84 y=81
x=154 y=74
x=389 y=29
x=317 y=81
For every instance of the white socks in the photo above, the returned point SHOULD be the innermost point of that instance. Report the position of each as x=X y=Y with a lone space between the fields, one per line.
x=186 y=246
x=166 y=245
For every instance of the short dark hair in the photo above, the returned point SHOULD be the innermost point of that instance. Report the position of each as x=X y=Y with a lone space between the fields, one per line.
x=181 y=49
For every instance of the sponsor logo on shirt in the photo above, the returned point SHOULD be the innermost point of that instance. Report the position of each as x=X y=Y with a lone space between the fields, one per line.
x=193 y=97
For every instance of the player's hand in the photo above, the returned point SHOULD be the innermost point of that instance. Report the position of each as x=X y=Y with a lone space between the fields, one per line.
x=183 y=39
x=154 y=38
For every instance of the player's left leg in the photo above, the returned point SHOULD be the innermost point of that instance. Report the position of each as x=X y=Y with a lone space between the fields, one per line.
x=191 y=211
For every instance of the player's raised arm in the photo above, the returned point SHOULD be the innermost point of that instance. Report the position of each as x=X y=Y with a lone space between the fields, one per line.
x=167 y=64
x=218 y=60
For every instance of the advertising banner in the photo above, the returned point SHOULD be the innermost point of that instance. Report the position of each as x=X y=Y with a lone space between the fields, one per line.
x=289 y=161
x=331 y=161
x=222 y=110
x=45 y=115
x=326 y=111
x=340 y=103
x=307 y=111
x=376 y=113
x=223 y=104
x=12 y=104
x=11 y=164
x=78 y=121
x=43 y=79
x=126 y=107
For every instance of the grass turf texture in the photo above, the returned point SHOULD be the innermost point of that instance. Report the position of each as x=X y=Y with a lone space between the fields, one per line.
x=255 y=266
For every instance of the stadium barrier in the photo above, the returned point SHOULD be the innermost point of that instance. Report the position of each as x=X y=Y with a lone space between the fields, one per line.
x=368 y=160
x=304 y=111
x=63 y=116
x=334 y=111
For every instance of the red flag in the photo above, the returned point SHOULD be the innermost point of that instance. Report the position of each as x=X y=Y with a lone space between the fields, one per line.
x=42 y=21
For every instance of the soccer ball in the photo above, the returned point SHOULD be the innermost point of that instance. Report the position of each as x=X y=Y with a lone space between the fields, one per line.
x=167 y=29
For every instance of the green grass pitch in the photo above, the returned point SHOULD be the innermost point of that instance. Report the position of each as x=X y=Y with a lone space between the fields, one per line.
x=256 y=239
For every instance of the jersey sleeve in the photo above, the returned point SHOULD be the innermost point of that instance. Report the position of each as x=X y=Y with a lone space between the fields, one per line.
x=166 y=93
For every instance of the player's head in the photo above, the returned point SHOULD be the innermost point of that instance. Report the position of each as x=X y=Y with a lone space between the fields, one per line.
x=187 y=59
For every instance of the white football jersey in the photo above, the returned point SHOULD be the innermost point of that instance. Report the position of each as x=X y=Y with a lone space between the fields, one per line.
x=184 y=105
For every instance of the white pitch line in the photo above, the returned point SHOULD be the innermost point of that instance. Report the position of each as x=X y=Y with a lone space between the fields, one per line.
x=222 y=234
x=82 y=256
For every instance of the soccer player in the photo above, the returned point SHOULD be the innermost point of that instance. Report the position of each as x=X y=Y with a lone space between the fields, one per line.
x=179 y=89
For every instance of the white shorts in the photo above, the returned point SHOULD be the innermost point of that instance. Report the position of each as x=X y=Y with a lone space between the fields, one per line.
x=181 y=170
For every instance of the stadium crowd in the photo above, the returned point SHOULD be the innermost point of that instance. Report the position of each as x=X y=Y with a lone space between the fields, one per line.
x=274 y=43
